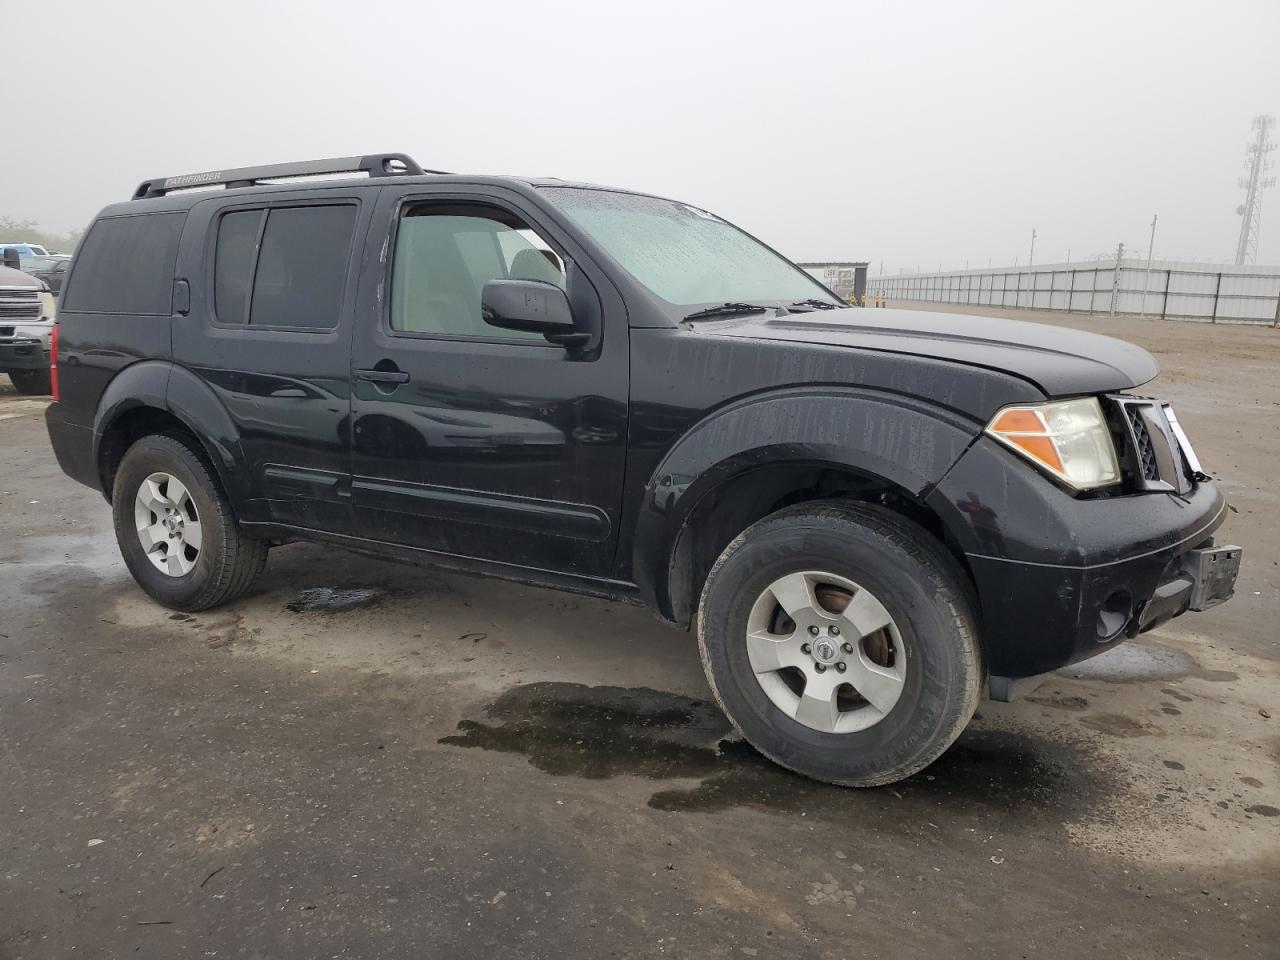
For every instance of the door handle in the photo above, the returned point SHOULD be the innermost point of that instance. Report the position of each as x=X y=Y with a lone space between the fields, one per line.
x=383 y=376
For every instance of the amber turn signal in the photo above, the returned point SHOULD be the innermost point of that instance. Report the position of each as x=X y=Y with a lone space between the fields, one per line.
x=1068 y=439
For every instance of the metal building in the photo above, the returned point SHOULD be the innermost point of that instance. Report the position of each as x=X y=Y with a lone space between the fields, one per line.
x=847 y=278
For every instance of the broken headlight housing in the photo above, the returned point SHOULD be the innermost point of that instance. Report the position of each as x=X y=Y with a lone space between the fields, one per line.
x=1067 y=439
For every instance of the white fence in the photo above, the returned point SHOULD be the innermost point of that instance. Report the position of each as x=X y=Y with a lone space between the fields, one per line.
x=1170 y=290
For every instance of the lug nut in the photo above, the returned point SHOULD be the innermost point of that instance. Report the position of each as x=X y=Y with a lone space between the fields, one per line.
x=820 y=667
x=840 y=667
x=805 y=648
x=813 y=631
x=847 y=647
x=834 y=631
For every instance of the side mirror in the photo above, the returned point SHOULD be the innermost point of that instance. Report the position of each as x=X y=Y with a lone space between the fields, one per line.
x=530 y=305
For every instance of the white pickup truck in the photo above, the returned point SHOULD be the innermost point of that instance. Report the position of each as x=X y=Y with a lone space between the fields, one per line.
x=26 y=325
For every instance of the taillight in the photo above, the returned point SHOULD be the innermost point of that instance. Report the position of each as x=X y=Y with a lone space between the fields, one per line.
x=53 y=363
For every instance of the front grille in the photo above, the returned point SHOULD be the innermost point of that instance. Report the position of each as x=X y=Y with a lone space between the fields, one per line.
x=1151 y=459
x=19 y=305
x=1146 y=455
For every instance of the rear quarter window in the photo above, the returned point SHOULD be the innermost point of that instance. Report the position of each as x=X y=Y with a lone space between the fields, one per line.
x=125 y=265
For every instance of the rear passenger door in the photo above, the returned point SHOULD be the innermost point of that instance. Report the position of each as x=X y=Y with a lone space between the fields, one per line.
x=269 y=332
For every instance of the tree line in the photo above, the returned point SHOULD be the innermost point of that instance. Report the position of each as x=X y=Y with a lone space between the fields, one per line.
x=14 y=231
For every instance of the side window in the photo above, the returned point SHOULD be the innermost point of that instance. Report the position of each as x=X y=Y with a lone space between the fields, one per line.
x=445 y=254
x=233 y=264
x=289 y=271
x=125 y=265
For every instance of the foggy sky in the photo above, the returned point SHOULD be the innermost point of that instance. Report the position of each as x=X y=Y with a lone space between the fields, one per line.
x=909 y=133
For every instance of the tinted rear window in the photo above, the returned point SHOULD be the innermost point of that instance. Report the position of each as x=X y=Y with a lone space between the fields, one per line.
x=125 y=265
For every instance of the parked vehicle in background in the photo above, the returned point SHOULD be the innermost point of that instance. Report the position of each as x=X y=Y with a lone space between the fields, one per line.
x=23 y=248
x=865 y=515
x=52 y=269
x=26 y=330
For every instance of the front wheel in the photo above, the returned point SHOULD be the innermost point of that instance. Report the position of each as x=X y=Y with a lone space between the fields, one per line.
x=176 y=531
x=840 y=640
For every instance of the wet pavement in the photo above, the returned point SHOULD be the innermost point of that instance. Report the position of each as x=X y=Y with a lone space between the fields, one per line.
x=365 y=759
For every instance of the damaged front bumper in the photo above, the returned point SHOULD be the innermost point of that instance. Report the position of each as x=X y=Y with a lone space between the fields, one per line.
x=1062 y=578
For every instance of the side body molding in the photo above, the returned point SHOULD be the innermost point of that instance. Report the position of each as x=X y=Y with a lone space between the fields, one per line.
x=886 y=437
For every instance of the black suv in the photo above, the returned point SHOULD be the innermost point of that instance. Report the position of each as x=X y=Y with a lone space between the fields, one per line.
x=866 y=515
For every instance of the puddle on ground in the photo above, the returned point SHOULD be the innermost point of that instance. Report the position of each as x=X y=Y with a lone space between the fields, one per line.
x=1118 y=725
x=568 y=729
x=330 y=600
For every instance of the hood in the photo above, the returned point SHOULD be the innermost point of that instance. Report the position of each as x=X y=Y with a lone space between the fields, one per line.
x=16 y=278
x=1060 y=361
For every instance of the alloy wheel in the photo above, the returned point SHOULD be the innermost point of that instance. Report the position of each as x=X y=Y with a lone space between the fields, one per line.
x=826 y=652
x=168 y=525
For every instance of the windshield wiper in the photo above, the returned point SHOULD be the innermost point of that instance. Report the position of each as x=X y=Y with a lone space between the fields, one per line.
x=725 y=310
x=817 y=304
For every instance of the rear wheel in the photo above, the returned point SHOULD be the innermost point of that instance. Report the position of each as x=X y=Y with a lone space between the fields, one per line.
x=840 y=640
x=176 y=530
x=32 y=382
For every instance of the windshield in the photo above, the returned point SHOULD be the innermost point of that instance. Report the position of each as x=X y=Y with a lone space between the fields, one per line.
x=684 y=255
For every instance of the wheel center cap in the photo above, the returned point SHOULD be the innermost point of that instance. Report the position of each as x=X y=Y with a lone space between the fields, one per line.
x=824 y=651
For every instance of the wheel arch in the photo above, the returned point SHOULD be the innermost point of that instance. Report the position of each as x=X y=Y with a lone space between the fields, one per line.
x=730 y=471
x=158 y=397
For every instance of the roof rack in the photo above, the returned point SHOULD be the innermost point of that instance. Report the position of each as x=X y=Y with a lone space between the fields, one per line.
x=374 y=164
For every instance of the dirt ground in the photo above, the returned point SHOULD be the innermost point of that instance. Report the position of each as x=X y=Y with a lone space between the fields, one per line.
x=368 y=760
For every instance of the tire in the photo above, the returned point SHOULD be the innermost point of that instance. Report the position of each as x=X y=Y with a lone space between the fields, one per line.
x=32 y=382
x=226 y=563
x=927 y=656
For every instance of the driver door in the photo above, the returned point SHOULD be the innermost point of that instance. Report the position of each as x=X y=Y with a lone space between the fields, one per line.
x=472 y=440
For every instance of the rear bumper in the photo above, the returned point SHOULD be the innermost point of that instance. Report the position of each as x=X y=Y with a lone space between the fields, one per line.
x=1060 y=579
x=72 y=446
x=23 y=354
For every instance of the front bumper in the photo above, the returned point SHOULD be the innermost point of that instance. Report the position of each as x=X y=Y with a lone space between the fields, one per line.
x=23 y=354
x=1061 y=578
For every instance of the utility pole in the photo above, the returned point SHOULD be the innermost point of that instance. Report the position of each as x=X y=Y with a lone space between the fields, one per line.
x=1250 y=211
x=1146 y=279
x=1031 y=259
x=1115 y=279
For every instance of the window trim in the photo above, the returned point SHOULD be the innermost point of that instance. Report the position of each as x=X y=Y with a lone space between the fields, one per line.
x=389 y=258
x=265 y=206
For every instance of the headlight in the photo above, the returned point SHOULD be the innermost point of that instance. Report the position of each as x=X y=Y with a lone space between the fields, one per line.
x=1068 y=439
x=48 y=306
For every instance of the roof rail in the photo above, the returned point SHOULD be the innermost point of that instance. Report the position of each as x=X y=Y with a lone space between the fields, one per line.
x=374 y=164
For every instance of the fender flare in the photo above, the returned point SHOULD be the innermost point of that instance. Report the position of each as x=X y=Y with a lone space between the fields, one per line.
x=888 y=438
x=162 y=385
